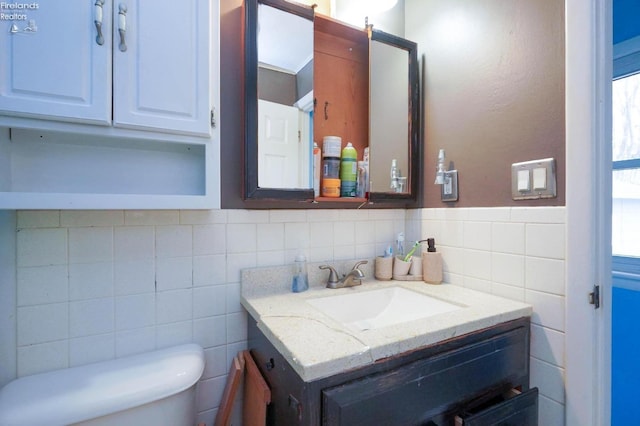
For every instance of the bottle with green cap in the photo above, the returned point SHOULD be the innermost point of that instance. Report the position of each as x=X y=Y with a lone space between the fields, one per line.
x=348 y=171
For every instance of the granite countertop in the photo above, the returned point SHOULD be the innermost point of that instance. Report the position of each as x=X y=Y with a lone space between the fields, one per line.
x=318 y=346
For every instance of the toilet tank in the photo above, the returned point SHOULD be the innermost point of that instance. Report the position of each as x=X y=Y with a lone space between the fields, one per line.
x=91 y=391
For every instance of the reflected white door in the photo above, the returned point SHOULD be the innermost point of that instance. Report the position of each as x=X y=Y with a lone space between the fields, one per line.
x=278 y=146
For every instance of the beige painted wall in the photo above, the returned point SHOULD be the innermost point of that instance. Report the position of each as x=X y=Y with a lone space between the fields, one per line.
x=494 y=92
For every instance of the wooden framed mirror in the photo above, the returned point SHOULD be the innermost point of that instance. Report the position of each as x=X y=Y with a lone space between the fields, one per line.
x=394 y=95
x=278 y=100
x=377 y=104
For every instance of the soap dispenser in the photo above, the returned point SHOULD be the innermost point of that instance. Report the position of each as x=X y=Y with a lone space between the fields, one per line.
x=300 y=280
x=431 y=264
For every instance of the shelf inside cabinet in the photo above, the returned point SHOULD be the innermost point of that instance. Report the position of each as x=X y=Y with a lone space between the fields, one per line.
x=46 y=169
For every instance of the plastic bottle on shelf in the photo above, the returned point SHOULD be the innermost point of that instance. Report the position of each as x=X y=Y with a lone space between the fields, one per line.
x=330 y=186
x=348 y=171
x=363 y=177
x=316 y=169
x=394 y=175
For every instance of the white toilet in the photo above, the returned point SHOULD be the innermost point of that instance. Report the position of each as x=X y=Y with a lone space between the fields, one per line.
x=154 y=388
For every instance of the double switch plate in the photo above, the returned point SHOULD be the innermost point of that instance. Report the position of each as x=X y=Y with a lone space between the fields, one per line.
x=532 y=180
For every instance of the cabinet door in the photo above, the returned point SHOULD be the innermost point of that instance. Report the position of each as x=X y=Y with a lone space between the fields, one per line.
x=341 y=88
x=161 y=80
x=51 y=65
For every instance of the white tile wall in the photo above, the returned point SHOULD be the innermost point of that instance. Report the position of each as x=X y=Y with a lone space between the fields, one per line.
x=42 y=284
x=90 y=280
x=43 y=323
x=89 y=245
x=42 y=247
x=91 y=317
x=94 y=348
x=516 y=253
x=38 y=358
x=94 y=285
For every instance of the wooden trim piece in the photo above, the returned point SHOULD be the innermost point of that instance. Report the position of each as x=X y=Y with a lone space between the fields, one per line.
x=257 y=394
x=223 y=418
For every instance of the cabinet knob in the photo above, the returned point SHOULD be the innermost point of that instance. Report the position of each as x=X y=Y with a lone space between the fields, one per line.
x=269 y=365
x=98 y=21
x=122 y=26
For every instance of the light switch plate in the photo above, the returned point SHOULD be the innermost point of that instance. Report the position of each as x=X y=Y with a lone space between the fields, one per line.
x=449 y=190
x=544 y=179
x=523 y=181
x=539 y=178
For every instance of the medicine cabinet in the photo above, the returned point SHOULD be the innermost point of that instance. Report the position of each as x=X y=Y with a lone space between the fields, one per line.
x=360 y=84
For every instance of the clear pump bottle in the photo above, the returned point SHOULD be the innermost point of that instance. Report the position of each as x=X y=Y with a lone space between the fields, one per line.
x=400 y=244
x=300 y=280
x=394 y=174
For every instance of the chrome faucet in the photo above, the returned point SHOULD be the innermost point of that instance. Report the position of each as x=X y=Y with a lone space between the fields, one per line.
x=353 y=278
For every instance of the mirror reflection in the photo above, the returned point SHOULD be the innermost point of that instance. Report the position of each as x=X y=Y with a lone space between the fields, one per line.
x=388 y=124
x=285 y=99
x=313 y=77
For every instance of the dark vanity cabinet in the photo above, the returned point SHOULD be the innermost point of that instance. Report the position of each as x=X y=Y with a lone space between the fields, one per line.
x=481 y=378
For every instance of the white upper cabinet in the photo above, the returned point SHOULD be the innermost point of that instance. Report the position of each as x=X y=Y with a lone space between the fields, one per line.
x=161 y=65
x=150 y=70
x=51 y=65
x=106 y=104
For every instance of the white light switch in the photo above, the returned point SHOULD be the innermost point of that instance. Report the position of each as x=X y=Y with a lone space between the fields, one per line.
x=539 y=179
x=532 y=180
x=523 y=180
x=448 y=190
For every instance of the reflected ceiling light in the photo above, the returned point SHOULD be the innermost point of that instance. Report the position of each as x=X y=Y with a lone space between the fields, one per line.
x=370 y=7
x=358 y=12
x=378 y=6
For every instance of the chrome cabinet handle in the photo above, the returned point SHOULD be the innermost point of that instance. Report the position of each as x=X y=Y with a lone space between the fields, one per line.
x=122 y=26
x=98 y=21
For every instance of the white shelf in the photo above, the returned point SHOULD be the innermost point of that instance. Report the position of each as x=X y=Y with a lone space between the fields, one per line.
x=52 y=170
x=57 y=201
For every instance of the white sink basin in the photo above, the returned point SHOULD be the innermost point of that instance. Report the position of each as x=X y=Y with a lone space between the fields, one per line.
x=367 y=310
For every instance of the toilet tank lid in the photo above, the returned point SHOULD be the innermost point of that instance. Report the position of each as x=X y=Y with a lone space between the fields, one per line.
x=85 y=392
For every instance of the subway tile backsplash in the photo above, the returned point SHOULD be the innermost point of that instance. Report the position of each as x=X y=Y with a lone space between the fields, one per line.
x=94 y=285
x=517 y=253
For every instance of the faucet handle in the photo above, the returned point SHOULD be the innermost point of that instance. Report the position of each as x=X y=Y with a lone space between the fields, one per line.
x=333 y=275
x=357 y=265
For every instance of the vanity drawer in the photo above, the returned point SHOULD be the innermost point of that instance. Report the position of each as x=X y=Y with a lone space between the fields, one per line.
x=431 y=388
x=514 y=409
